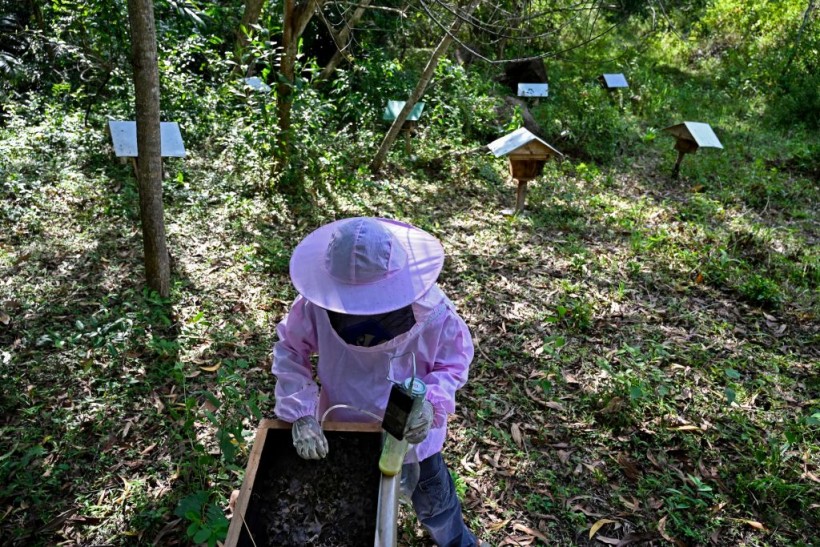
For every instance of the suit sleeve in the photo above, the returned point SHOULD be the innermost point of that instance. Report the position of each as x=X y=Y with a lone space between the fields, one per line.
x=453 y=357
x=297 y=393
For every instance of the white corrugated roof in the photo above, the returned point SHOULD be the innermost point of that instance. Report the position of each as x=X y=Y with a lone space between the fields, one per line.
x=615 y=80
x=516 y=139
x=257 y=84
x=124 y=137
x=533 y=90
x=703 y=134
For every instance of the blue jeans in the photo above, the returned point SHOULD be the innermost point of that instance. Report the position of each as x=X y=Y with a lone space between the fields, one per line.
x=437 y=505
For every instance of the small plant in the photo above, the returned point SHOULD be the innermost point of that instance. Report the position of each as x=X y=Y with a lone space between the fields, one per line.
x=761 y=290
x=694 y=494
x=207 y=522
x=461 y=484
x=574 y=314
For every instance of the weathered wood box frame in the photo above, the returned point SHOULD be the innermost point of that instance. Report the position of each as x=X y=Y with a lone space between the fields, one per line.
x=272 y=437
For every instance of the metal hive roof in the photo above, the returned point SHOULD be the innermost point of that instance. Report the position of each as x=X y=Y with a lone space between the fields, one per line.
x=124 y=137
x=615 y=80
x=533 y=90
x=257 y=84
x=393 y=108
x=514 y=140
x=701 y=133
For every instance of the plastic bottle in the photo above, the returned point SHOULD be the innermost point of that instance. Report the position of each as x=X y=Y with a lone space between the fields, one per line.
x=410 y=473
x=394 y=450
x=392 y=455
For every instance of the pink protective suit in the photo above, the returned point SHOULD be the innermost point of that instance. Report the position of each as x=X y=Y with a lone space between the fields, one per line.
x=361 y=376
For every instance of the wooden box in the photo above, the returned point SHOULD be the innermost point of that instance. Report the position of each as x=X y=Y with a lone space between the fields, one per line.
x=342 y=500
x=526 y=169
x=686 y=146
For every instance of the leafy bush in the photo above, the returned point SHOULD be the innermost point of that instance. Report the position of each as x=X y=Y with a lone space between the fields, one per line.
x=761 y=290
x=461 y=105
x=583 y=119
x=773 y=49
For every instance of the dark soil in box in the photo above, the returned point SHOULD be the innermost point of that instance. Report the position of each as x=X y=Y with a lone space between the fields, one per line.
x=325 y=503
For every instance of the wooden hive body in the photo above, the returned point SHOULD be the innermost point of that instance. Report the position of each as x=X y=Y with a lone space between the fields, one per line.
x=273 y=462
x=527 y=161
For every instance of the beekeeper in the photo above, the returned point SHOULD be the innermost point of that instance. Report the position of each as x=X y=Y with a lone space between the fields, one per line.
x=367 y=300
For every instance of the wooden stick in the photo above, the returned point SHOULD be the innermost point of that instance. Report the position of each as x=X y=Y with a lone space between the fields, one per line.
x=676 y=169
x=520 y=196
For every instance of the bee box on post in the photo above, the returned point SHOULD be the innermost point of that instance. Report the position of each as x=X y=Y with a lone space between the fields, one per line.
x=527 y=155
x=689 y=136
x=612 y=83
x=391 y=112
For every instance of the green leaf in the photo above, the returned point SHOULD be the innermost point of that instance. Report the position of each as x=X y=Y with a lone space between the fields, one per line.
x=192 y=504
x=203 y=535
x=730 y=395
x=814 y=419
x=212 y=399
x=732 y=373
x=212 y=418
x=217 y=519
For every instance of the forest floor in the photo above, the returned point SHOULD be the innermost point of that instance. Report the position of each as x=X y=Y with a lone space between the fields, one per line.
x=646 y=364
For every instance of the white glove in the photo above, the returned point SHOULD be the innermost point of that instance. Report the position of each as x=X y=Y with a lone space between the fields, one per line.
x=419 y=425
x=308 y=439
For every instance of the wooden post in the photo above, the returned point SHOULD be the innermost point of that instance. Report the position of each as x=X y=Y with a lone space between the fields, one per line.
x=520 y=196
x=683 y=146
x=676 y=169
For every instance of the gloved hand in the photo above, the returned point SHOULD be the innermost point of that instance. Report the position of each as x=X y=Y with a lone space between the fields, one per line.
x=308 y=439
x=419 y=425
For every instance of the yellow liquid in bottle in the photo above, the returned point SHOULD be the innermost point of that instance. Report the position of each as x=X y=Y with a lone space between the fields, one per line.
x=392 y=455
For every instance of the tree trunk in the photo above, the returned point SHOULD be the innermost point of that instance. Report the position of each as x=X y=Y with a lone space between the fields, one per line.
x=341 y=41
x=426 y=76
x=149 y=162
x=253 y=9
x=38 y=15
x=295 y=18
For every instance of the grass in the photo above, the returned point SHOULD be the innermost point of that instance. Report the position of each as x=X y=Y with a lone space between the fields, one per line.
x=647 y=349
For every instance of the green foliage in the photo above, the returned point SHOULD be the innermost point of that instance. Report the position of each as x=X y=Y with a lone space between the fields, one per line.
x=761 y=290
x=207 y=522
x=630 y=302
x=460 y=483
x=583 y=119
x=461 y=106
x=573 y=313
x=768 y=46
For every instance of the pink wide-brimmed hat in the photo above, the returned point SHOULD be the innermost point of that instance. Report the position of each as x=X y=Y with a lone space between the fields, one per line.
x=365 y=266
